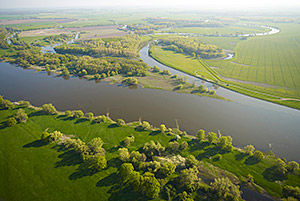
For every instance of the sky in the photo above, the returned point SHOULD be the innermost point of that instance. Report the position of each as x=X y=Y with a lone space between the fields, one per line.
x=193 y=4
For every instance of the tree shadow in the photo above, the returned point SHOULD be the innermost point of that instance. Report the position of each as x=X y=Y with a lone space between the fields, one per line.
x=113 y=125
x=251 y=160
x=109 y=180
x=139 y=128
x=153 y=133
x=271 y=174
x=196 y=145
x=240 y=156
x=209 y=153
x=125 y=193
x=37 y=113
x=36 y=143
x=81 y=120
x=114 y=162
x=69 y=158
x=83 y=170
x=3 y=125
x=116 y=148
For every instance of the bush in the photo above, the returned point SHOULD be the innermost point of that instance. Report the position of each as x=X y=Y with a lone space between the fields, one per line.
x=11 y=122
x=99 y=162
x=130 y=81
x=166 y=72
x=78 y=114
x=68 y=113
x=258 y=155
x=146 y=125
x=120 y=122
x=156 y=69
x=55 y=136
x=89 y=115
x=21 y=116
x=128 y=140
x=45 y=136
x=249 y=149
x=49 y=108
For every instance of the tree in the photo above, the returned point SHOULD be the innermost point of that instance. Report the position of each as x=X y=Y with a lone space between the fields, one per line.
x=120 y=122
x=152 y=149
x=130 y=81
x=21 y=116
x=150 y=185
x=258 y=155
x=96 y=145
x=184 y=145
x=126 y=171
x=173 y=147
x=201 y=135
x=6 y=104
x=128 y=140
x=189 y=179
x=78 y=114
x=68 y=113
x=190 y=161
x=292 y=166
x=11 y=122
x=45 y=136
x=166 y=170
x=162 y=128
x=65 y=71
x=212 y=137
x=146 y=125
x=290 y=191
x=124 y=154
x=99 y=162
x=55 y=136
x=225 y=143
x=89 y=115
x=224 y=188
x=249 y=149
x=156 y=69
x=49 y=108
x=166 y=72
x=280 y=167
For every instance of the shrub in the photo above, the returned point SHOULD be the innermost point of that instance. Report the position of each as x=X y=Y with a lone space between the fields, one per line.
x=120 y=122
x=11 y=122
x=21 y=116
x=156 y=69
x=130 y=81
x=146 y=125
x=89 y=115
x=55 y=136
x=78 y=114
x=249 y=149
x=68 y=113
x=258 y=155
x=49 y=108
x=99 y=162
x=166 y=72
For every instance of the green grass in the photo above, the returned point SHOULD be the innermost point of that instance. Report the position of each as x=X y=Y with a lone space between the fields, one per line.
x=30 y=39
x=180 y=62
x=233 y=29
x=32 y=170
x=271 y=60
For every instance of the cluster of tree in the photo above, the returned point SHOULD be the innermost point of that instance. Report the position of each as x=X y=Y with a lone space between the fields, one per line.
x=224 y=142
x=50 y=40
x=126 y=46
x=191 y=46
x=290 y=191
x=130 y=81
x=142 y=29
x=91 y=153
x=81 y=65
x=184 y=23
x=202 y=89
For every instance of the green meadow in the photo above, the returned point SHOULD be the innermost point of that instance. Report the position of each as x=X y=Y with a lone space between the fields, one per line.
x=34 y=170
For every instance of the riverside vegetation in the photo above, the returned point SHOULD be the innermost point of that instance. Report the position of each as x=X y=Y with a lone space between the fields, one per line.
x=118 y=160
x=112 y=59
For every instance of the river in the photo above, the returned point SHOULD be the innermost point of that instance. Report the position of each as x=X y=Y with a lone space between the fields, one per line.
x=266 y=125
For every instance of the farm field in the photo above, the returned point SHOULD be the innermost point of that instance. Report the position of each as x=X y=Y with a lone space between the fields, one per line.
x=88 y=32
x=271 y=60
x=232 y=29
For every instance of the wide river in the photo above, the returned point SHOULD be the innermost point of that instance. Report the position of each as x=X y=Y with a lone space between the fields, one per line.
x=248 y=120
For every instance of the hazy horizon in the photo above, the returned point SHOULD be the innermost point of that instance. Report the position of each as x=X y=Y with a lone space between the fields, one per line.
x=187 y=4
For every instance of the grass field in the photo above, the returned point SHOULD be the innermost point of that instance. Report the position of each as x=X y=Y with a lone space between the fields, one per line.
x=180 y=62
x=32 y=170
x=271 y=60
x=232 y=30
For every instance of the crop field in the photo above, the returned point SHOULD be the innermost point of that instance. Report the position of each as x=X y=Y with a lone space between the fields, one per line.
x=273 y=60
x=25 y=21
x=89 y=32
x=234 y=29
x=223 y=42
